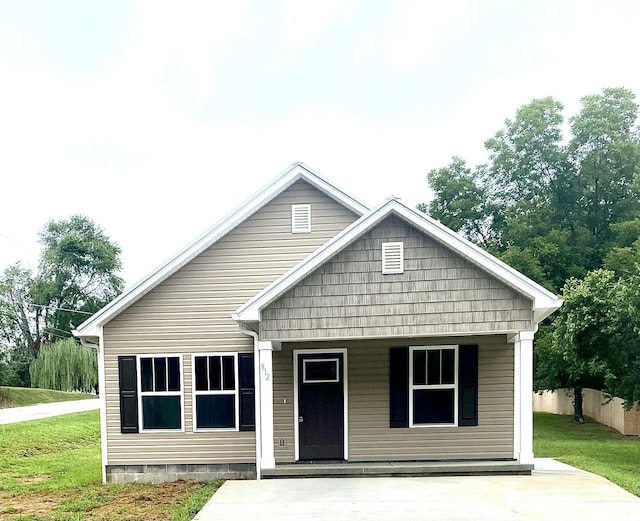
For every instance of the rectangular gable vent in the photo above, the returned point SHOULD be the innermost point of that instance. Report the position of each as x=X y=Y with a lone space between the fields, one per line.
x=392 y=258
x=300 y=218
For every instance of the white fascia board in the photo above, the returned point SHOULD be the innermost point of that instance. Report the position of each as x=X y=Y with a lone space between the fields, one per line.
x=292 y=174
x=323 y=184
x=544 y=302
x=543 y=298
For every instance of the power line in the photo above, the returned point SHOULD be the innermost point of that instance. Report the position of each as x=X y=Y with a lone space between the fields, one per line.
x=61 y=309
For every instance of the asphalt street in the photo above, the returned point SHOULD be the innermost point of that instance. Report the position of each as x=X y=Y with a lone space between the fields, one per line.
x=46 y=410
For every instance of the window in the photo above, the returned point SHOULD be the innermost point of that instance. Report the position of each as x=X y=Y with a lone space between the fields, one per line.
x=160 y=392
x=300 y=218
x=433 y=393
x=407 y=412
x=320 y=370
x=392 y=258
x=216 y=391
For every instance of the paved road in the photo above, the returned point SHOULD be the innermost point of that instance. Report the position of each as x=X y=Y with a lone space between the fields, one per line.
x=45 y=410
x=554 y=492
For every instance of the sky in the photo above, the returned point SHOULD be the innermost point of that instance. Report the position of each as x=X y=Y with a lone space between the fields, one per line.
x=155 y=119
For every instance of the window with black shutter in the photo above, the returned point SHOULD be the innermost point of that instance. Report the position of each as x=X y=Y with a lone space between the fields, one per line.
x=433 y=385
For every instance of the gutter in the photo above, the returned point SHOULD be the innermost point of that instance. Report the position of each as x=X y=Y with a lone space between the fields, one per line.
x=258 y=408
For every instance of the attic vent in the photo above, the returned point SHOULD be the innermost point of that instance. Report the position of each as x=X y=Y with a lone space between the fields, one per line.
x=392 y=258
x=300 y=218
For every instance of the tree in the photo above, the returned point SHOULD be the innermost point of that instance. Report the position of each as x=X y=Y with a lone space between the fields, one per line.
x=527 y=155
x=577 y=354
x=550 y=208
x=17 y=329
x=461 y=201
x=560 y=213
x=77 y=274
x=65 y=366
x=606 y=154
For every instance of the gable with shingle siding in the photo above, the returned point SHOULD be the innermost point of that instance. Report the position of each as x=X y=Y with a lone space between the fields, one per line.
x=439 y=293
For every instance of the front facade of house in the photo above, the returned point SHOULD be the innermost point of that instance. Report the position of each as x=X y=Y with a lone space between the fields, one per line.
x=306 y=327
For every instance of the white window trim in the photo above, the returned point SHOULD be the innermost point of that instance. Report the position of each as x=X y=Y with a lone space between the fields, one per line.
x=296 y=208
x=313 y=360
x=160 y=393
x=386 y=248
x=235 y=392
x=453 y=386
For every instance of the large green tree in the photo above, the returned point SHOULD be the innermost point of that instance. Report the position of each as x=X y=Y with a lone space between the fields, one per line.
x=77 y=275
x=557 y=208
x=549 y=208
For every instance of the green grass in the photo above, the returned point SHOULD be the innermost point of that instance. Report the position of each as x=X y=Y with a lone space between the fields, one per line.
x=51 y=469
x=50 y=454
x=21 y=396
x=589 y=446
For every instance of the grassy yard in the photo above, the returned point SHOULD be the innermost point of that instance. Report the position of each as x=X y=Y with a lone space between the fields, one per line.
x=50 y=470
x=589 y=446
x=21 y=396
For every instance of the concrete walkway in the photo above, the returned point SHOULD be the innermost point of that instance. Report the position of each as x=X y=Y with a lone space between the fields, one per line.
x=553 y=492
x=45 y=410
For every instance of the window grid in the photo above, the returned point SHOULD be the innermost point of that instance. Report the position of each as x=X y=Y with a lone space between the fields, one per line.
x=209 y=357
x=432 y=386
x=153 y=392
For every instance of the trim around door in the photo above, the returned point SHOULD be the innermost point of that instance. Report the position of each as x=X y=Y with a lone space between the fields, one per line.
x=345 y=388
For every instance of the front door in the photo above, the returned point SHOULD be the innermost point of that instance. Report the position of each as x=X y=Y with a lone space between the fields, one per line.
x=321 y=406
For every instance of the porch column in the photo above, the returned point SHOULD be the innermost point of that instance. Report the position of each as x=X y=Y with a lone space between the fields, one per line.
x=523 y=397
x=265 y=353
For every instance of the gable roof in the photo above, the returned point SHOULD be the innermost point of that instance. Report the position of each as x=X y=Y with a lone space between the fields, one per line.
x=544 y=302
x=295 y=172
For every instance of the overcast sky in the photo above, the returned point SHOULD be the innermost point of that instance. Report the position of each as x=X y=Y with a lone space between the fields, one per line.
x=157 y=118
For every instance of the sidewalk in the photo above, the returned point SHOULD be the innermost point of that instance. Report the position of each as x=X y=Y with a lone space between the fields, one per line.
x=46 y=410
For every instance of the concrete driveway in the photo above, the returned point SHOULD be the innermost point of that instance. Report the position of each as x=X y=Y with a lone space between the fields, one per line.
x=555 y=492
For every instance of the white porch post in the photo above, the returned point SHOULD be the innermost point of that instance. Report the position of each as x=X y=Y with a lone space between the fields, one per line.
x=265 y=351
x=523 y=397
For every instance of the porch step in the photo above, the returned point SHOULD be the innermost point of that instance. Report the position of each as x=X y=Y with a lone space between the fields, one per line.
x=396 y=468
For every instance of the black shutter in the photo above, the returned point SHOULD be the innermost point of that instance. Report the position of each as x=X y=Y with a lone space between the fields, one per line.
x=468 y=386
x=399 y=387
x=128 y=376
x=247 y=392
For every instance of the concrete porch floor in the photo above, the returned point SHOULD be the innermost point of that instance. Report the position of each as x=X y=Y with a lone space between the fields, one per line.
x=396 y=468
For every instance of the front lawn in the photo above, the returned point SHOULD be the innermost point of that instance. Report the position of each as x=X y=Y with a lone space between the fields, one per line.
x=51 y=469
x=589 y=446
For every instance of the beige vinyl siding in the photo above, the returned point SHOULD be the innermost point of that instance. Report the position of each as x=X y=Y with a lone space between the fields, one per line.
x=190 y=312
x=371 y=438
x=439 y=293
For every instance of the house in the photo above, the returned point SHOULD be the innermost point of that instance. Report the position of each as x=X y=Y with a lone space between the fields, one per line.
x=307 y=327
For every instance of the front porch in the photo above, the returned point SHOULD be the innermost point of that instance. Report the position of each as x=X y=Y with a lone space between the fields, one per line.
x=397 y=468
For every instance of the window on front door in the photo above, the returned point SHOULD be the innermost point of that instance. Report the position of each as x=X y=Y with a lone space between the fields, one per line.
x=433 y=392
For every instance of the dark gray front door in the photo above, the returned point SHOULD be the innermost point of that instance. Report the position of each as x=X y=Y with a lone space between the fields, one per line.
x=321 y=406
